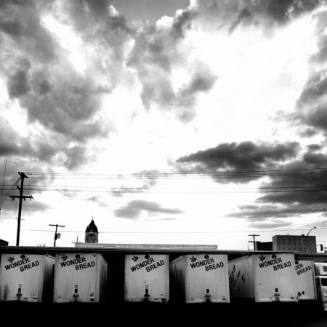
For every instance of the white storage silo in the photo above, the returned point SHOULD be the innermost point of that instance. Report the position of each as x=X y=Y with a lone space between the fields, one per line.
x=80 y=277
x=147 y=277
x=200 y=278
x=26 y=277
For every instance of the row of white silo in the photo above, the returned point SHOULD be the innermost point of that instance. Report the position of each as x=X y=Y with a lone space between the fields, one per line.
x=191 y=278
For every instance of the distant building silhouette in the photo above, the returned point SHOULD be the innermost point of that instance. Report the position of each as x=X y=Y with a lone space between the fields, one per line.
x=297 y=243
x=264 y=246
x=91 y=233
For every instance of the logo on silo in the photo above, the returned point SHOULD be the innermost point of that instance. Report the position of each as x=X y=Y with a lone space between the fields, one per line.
x=135 y=258
x=11 y=259
x=193 y=259
x=262 y=258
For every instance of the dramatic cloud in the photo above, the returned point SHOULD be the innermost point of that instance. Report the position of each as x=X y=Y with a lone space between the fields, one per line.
x=312 y=103
x=157 y=90
x=106 y=34
x=154 y=56
x=97 y=21
x=62 y=101
x=134 y=208
x=243 y=157
x=266 y=212
x=296 y=188
x=314 y=147
x=21 y=26
x=268 y=13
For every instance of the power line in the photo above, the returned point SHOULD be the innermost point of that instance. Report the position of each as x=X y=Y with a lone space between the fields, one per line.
x=305 y=188
x=164 y=175
x=153 y=172
x=179 y=232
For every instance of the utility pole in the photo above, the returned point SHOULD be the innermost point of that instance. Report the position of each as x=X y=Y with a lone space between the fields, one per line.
x=254 y=243
x=21 y=197
x=56 y=234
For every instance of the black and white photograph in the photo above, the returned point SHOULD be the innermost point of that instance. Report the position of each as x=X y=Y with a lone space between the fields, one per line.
x=163 y=162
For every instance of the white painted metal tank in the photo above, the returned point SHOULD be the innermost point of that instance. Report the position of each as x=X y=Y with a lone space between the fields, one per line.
x=147 y=277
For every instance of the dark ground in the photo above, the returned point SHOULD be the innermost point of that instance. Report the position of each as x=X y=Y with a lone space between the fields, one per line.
x=144 y=314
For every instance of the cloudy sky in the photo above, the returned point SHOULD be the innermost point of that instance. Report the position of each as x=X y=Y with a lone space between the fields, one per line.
x=194 y=122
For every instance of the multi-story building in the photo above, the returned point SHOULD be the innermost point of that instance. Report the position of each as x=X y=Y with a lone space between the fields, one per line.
x=296 y=243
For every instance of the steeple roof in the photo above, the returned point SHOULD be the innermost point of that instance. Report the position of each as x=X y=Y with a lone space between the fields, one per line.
x=91 y=227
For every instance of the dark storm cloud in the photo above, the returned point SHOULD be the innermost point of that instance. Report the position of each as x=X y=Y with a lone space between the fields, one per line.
x=283 y=10
x=312 y=103
x=182 y=23
x=97 y=20
x=296 y=188
x=63 y=102
x=20 y=22
x=314 y=147
x=321 y=55
x=315 y=88
x=305 y=185
x=245 y=17
x=308 y=132
x=18 y=80
x=156 y=46
x=265 y=212
x=302 y=182
x=237 y=157
x=7 y=149
x=134 y=208
x=154 y=55
x=157 y=89
x=267 y=13
x=103 y=28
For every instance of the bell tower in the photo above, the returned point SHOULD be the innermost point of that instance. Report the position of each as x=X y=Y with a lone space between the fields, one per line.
x=91 y=233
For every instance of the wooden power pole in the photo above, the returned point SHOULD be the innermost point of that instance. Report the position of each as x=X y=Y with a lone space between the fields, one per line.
x=21 y=197
x=254 y=242
x=56 y=234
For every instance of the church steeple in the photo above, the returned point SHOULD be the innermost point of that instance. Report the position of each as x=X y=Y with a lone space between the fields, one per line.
x=91 y=233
